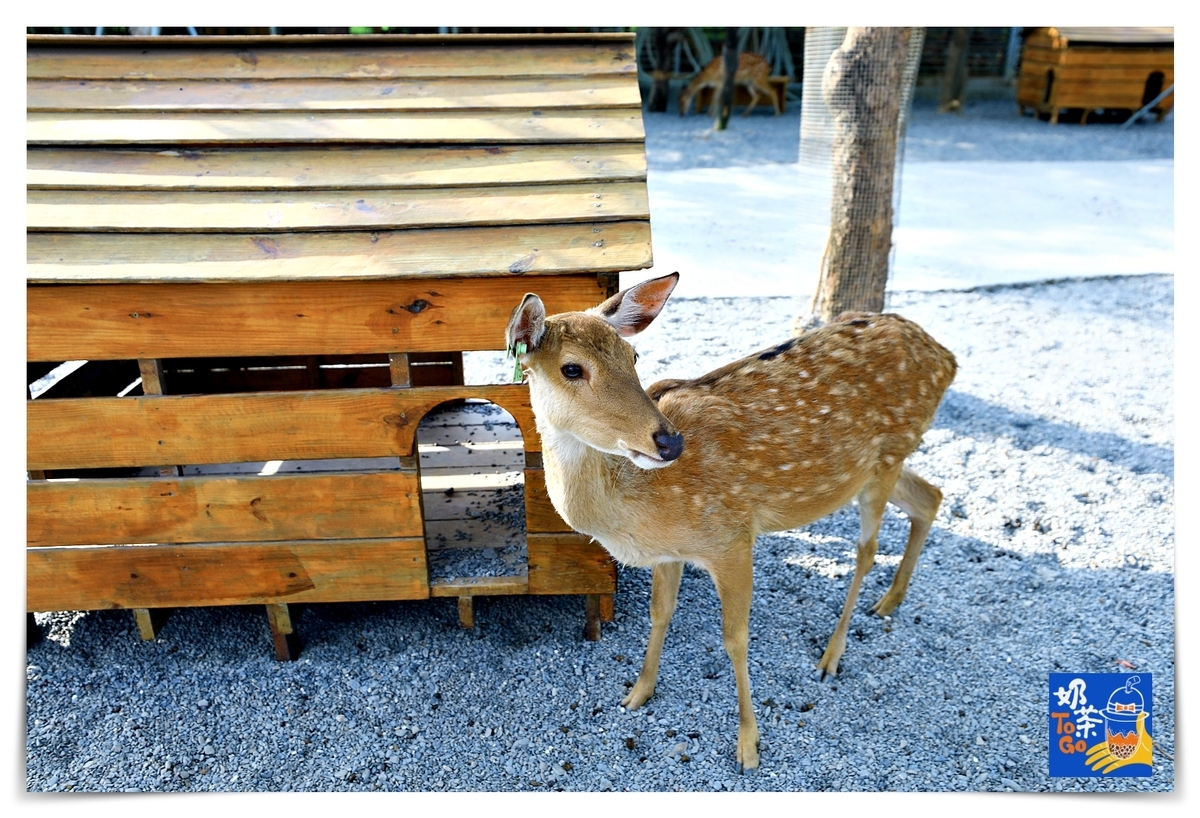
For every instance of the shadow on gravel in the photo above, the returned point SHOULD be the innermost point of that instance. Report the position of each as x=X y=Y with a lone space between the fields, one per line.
x=966 y=414
x=234 y=635
x=1143 y=303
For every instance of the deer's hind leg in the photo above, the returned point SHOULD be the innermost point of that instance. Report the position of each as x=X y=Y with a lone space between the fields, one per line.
x=919 y=500
x=769 y=92
x=753 y=99
x=872 y=500
x=664 y=591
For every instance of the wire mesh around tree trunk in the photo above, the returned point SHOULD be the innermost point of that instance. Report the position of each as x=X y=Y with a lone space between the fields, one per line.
x=857 y=92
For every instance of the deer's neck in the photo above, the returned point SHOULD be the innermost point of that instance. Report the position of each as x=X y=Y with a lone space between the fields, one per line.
x=581 y=480
x=595 y=493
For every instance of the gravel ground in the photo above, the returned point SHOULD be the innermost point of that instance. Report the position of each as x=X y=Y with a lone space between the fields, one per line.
x=1053 y=550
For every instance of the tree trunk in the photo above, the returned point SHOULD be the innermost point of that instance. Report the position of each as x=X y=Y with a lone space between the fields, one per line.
x=954 y=79
x=862 y=87
x=661 y=74
x=723 y=99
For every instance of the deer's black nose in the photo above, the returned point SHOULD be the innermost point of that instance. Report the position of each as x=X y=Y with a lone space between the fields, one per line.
x=670 y=446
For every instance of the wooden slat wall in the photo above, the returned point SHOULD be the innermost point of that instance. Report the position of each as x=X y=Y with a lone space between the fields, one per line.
x=195 y=429
x=216 y=509
x=171 y=576
x=540 y=515
x=116 y=321
x=569 y=564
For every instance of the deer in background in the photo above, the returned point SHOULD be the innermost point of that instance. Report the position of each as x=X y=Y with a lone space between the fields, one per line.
x=693 y=470
x=753 y=73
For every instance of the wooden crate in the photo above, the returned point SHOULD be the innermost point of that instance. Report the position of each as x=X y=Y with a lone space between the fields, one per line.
x=1061 y=70
x=291 y=241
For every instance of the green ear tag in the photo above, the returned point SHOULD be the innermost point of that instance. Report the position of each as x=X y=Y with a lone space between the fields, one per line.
x=516 y=352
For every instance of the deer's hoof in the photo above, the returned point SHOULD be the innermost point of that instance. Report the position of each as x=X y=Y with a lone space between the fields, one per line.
x=887 y=604
x=747 y=754
x=636 y=697
x=827 y=668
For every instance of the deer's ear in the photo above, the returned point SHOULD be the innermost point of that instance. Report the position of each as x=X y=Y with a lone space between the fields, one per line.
x=527 y=324
x=631 y=311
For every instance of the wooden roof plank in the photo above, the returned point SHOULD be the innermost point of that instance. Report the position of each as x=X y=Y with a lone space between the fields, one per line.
x=475 y=251
x=240 y=212
x=447 y=127
x=375 y=61
x=333 y=167
x=331 y=94
x=295 y=40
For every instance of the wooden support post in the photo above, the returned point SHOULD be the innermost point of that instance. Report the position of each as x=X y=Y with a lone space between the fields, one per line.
x=591 y=630
x=152 y=376
x=607 y=610
x=287 y=643
x=609 y=284
x=456 y=368
x=401 y=374
x=150 y=621
x=466 y=611
x=33 y=632
x=34 y=474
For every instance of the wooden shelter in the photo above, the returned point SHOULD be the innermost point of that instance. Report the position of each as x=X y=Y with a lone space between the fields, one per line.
x=291 y=241
x=1096 y=68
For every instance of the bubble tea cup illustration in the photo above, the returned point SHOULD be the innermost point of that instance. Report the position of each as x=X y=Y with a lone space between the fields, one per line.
x=1125 y=707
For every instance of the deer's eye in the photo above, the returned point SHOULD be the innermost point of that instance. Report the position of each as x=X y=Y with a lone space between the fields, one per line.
x=572 y=371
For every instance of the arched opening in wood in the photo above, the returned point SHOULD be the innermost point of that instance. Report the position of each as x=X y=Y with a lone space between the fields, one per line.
x=472 y=463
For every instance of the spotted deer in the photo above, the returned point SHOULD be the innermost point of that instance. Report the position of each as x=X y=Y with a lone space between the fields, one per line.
x=753 y=73
x=691 y=471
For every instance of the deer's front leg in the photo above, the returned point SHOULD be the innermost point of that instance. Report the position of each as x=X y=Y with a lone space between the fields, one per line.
x=664 y=590
x=734 y=578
